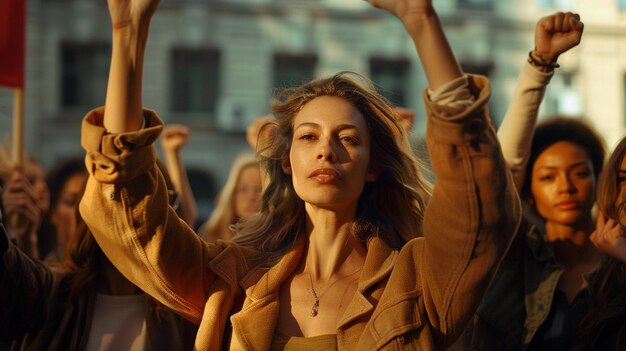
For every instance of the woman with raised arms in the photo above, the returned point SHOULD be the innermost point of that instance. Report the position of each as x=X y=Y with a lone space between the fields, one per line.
x=349 y=251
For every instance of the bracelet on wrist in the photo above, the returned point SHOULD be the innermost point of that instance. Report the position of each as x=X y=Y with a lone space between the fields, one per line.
x=540 y=62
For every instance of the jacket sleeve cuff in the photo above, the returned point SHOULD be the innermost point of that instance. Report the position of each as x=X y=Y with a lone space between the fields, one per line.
x=119 y=157
x=455 y=94
x=451 y=125
x=540 y=78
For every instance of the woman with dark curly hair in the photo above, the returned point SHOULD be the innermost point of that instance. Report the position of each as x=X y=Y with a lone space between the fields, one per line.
x=539 y=294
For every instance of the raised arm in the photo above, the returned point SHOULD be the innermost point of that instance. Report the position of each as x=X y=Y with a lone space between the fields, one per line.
x=554 y=35
x=474 y=211
x=126 y=200
x=422 y=23
x=130 y=21
x=173 y=139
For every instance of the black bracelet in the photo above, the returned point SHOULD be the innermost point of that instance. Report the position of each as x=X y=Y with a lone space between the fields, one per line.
x=532 y=60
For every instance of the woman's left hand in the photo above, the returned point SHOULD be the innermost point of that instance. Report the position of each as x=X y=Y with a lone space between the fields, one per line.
x=609 y=238
x=409 y=11
x=126 y=13
x=556 y=34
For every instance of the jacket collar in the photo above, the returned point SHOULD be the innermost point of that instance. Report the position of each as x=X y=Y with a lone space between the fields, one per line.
x=271 y=279
x=256 y=322
x=379 y=263
x=253 y=326
x=538 y=245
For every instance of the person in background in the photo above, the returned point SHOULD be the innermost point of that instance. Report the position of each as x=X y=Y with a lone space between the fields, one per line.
x=65 y=181
x=260 y=132
x=539 y=293
x=604 y=326
x=239 y=199
x=82 y=303
x=173 y=139
x=25 y=203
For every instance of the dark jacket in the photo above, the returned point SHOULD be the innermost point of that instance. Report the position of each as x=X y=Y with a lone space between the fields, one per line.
x=611 y=323
x=37 y=312
x=521 y=295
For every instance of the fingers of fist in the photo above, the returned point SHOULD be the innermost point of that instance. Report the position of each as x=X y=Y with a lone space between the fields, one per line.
x=561 y=23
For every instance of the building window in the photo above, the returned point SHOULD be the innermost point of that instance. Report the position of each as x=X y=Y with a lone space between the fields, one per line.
x=569 y=101
x=196 y=81
x=204 y=189
x=562 y=98
x=84 y=72
x=482 y=68
x=293 y=69
x=563 y=5
x=475 y=4
x=391 y=76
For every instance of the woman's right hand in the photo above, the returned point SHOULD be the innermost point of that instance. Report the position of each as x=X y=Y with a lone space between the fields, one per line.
x=609 y=237
x=131 y=22
x=131 y=12
x=556 y=34
x=408 y=11
x=422 y=23
x=174 y=137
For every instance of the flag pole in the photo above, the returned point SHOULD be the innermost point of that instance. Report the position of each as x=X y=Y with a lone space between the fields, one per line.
x=18 y=126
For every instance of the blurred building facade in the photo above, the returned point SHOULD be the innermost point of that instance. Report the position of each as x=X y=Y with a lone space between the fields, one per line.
x=215 y=64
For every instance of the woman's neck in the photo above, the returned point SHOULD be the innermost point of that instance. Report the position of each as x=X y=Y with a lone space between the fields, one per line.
x=332 y=247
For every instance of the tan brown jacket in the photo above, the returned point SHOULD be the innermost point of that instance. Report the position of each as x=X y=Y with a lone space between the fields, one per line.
x=420 y=297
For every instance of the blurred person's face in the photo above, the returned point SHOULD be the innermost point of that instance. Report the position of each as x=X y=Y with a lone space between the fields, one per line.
x=563 y=184
x=620 y=200
x=37 y=178
x=248 y=192
x=63 y=215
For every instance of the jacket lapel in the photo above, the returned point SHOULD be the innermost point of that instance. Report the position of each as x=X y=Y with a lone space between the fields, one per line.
x=253 y=326
x=379 y=263
x=541 y=276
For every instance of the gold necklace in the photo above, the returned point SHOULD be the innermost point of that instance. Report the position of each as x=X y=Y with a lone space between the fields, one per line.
x=316 y=297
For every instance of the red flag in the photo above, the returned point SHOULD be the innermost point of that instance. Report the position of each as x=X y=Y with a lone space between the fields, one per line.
x=12 y=42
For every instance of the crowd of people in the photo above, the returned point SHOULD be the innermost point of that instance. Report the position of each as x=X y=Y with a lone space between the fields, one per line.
x=327 y=234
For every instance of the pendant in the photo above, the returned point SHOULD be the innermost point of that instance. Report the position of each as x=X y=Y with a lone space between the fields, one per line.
x=315 y=308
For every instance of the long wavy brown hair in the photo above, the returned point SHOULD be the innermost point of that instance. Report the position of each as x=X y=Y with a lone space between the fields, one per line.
x=392 y=207
x=609 y=282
